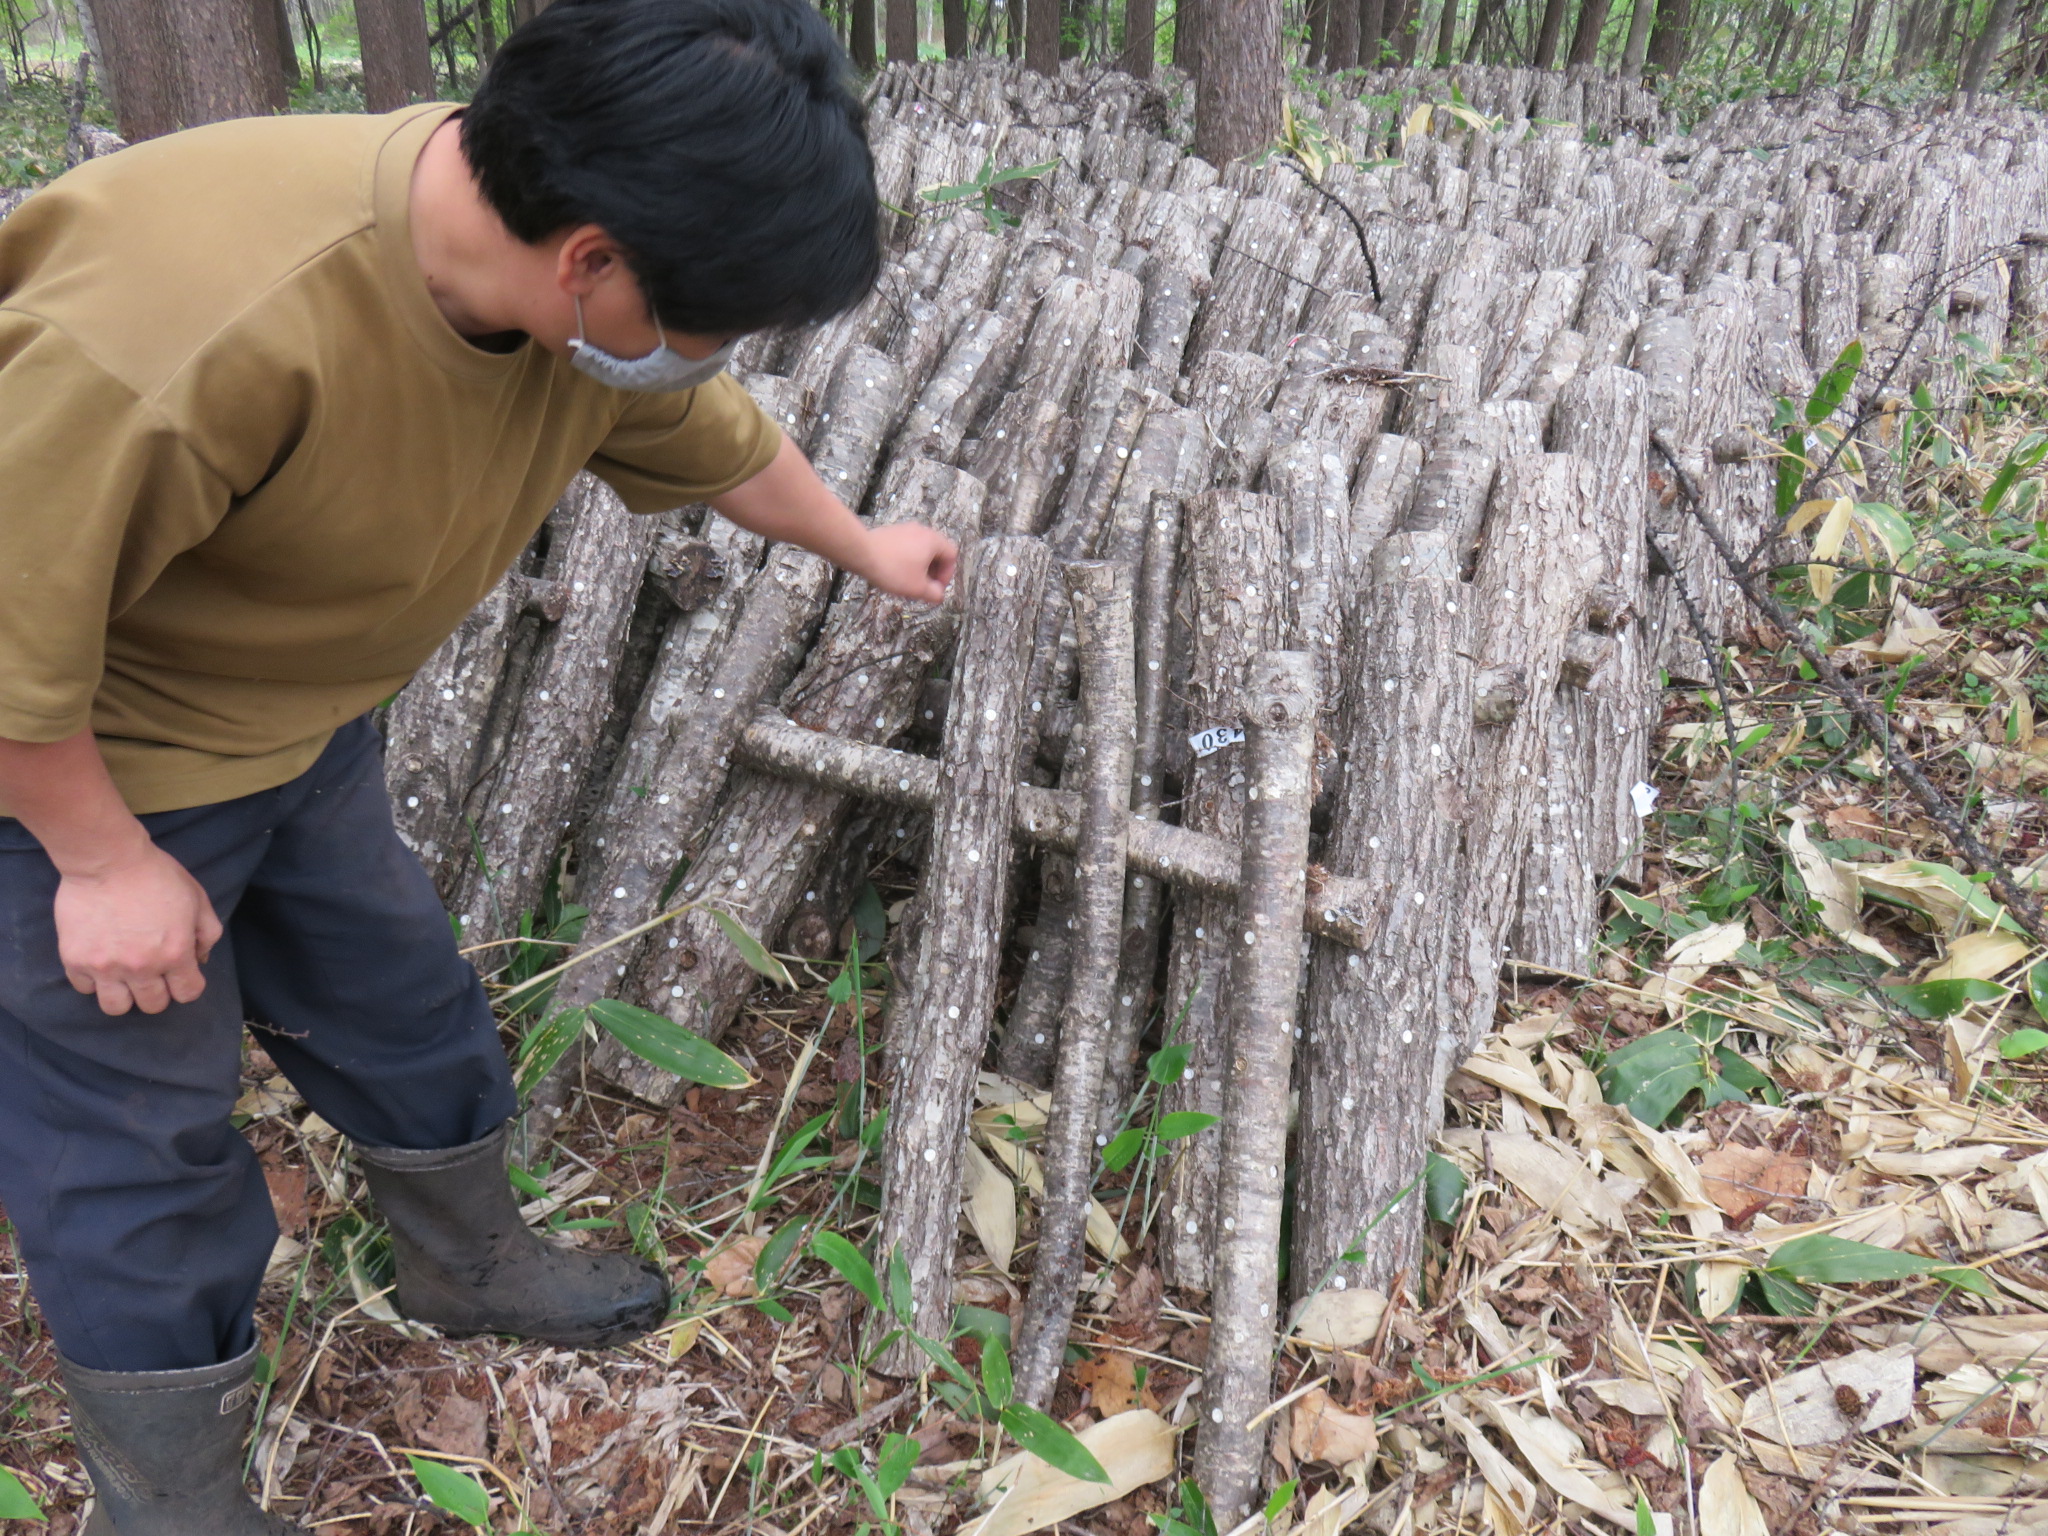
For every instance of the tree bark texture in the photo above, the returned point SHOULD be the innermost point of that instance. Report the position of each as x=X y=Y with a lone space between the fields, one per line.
x=1280 y=749
x=1141 y=37
x=1670 y=38
x=953 y=19
x=1997 y=22
x=1635 y=49
x=1369 y=1071
x=1236 y=555
x=397 y=67
x=1041 y=35
x=1585 y=49
x=179 y=65
x=939 y=1024
x=901 y=30
x=860 y=41
x=1237 y=92
x=1550 y=33
x=1103 y=734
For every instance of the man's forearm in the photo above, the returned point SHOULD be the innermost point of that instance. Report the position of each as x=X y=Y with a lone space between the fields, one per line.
x=787 y=502
x=61 y=791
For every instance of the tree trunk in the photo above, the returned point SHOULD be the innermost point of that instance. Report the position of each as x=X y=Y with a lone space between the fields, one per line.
x=1187 y=36
x=1237 y=95
x=1141 y=37
x=1549 y=34
x=1408 y=30
x=1318 y=32
x=1447 y=33
x=953 y=16
x=1586 y=36
x=178 y=63
x=1372 y=18
x=1978 y=64
x=860 y=42
x=287 y=53
x=1670 y=38
x=397 y=68
x=1041 y=35
x=1637 y=45
x=901 y=31
x=1265 y=950
x=1859 y=37
x=1341 y=44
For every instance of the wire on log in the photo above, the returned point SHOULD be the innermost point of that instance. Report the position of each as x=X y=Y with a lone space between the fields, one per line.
x=1101 y=598
x=940 y=1020
x=1265 y=978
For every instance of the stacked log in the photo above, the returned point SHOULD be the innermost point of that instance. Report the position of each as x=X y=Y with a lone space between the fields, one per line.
x=1396 y=423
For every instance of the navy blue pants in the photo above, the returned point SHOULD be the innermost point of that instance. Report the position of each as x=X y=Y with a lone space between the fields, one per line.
x=139 y=1210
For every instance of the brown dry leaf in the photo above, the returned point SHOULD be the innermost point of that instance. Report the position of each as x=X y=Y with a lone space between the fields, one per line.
x=1342 y=1319
x=1853 y=821
x=1744 y=1180
x=991 y=1207
x=1111 y=1381
x=1138 y=1300
x=1553 y=1181
x=1831 y=882
x=1134 y=1448
x=288 y=1197
x=1510 y=1494
x=1324 y=1432
x=460 y=1428
x=731 y=1269
x=683 y=1338
x=1979 y=957
x=1546 y=1445
x=1850 y=1394
x=1727 y=1508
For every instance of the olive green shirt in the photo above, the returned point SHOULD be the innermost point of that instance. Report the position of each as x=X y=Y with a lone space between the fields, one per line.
x=250 y=477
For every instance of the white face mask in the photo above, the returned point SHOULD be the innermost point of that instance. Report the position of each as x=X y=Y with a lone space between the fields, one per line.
x=662 y=371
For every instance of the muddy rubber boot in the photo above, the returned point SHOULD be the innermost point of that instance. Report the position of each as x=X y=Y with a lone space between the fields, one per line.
x=165 y=1450
x=468 y=1264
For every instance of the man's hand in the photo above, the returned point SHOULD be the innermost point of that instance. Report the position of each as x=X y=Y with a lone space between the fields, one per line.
x=136 y=933
x=910 y=560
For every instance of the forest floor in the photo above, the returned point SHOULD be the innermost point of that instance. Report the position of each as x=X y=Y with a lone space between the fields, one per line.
x=1746 y=1230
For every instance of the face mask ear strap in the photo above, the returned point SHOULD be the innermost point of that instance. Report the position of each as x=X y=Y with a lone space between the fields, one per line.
x=582 y=336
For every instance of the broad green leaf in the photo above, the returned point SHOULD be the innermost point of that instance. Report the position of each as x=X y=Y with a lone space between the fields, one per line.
x=1168 y=1064
x=547 y=1044
x=893 y=1465
x=902 y=1305
x=983 y=1323
x=1821 y=1258
x=666 y=1044
x=1123 y=1150
x=1283 y=1496
x=1651 y=1076
x=840 y=992
x=1833 y=387
x=775 y=1255
x=1052 y=1442
x=1646 y=1518
x=1787 y=1298
x=851 y=1264
x=774 y=1310
x=996 y=1380
x=1183 y=1123
x=2022 y=1043
x=1946 y=998
x=870 y=920
x=1964 y=1279
x=1746 y=1075
x=456 y=1492
x=2037 y=989
x=2023 y=457
x=752 y=950
x=1026 y=172
x=792 y=1152
x=525 y=1182
x=1791 y=472
x=16 y=1503
x=944 y=1359
x=1443 y=1187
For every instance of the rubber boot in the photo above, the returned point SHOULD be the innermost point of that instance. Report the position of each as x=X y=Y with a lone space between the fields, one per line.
x=165 y=1450
x=469 y=1265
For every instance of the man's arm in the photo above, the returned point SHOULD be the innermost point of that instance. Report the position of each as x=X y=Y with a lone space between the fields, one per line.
x=133 y=926
x=788 y=502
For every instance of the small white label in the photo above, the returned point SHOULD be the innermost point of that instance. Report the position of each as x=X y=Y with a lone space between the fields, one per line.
x=1215 y=739
x=1644 y=797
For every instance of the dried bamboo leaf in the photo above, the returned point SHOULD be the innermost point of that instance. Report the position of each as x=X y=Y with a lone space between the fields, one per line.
x=1727 y=1508
x=1134 y=1448
x=1542 y=1442
x=991 y=1208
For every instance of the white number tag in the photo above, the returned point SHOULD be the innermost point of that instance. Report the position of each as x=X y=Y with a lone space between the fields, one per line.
x=1215 y=739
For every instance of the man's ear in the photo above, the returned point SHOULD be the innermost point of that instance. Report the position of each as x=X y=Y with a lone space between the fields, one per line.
x=584 y=259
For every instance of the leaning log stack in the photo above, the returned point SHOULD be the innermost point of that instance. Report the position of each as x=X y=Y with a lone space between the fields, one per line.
x=1395 y=497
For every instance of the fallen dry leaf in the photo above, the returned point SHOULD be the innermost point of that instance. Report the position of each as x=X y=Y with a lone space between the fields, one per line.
x=461 y=1427
x=1324 y=1432
x=1744 y=1180
x=1342 y=1319
x=1134 y=1448
x=1848 y=1395
x=1111 y=1381
x=731 y=1269
x=1727 y=1507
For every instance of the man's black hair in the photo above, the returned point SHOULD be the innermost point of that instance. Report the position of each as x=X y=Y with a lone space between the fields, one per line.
x=720 y=142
